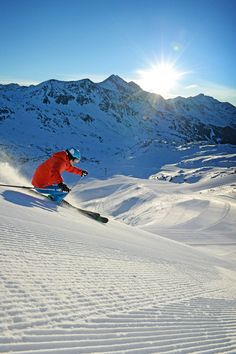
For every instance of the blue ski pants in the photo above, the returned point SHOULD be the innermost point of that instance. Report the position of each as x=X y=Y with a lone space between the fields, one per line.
x=54 y=192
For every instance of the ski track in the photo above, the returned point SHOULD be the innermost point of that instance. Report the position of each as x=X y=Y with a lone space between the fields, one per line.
x=61 y=294
x=206 y=226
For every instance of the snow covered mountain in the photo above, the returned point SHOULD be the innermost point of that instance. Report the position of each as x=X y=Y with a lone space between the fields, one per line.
x=160 y=276
x=110 y=120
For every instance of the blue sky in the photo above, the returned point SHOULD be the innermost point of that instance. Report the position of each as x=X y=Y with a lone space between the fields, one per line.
x=136 y=39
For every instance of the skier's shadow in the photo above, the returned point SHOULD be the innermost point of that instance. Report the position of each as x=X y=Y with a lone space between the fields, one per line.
x=28 y=200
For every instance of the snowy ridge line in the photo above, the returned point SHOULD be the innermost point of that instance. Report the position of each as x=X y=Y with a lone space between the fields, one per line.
x=104 y=114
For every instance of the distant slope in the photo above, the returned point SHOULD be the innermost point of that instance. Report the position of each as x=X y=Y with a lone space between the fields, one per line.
x=192 y=200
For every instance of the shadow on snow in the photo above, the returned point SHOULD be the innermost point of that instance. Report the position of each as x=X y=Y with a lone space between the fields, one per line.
x=28 y=200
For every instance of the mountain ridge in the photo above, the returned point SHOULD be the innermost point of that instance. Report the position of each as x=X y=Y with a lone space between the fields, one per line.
x=112 y=119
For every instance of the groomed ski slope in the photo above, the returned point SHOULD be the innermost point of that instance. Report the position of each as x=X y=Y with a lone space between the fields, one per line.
x=201 y=214
x=69 y=284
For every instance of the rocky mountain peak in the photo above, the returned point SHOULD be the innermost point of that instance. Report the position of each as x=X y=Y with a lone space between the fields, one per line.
x=111 y=115
x=116 y=83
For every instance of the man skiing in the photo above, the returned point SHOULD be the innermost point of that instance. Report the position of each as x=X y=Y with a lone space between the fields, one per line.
x=47 y=178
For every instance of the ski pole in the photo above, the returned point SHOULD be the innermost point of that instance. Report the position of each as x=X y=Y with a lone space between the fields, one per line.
x=13 y=186
x=24 y=187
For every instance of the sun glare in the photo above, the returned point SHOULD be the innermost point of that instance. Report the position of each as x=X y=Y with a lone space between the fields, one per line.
x=160 y=78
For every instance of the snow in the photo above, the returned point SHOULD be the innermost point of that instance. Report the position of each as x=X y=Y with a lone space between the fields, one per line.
x=160 y=277
x=111 y=120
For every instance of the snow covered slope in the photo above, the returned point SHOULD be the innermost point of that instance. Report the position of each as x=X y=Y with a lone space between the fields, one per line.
x=71 y=285
x=192 y=200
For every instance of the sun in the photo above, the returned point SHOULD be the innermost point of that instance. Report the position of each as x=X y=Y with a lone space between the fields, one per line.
x=160 y=78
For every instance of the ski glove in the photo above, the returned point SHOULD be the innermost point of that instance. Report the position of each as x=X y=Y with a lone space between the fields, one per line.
x=64 y=187
x=84 y=173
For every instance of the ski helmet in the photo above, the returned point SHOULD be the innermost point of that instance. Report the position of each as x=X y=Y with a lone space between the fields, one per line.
x=74 y=153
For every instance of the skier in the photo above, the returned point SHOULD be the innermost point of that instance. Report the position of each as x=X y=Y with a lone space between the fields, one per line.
x=47 y=178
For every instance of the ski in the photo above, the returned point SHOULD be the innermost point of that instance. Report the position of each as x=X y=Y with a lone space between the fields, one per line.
x=91 y=214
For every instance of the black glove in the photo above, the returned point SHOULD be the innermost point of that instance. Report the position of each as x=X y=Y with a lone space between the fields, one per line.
x=64 y=187
x=84 y=173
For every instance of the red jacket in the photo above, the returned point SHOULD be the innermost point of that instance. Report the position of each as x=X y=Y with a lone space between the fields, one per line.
x=49 y=172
